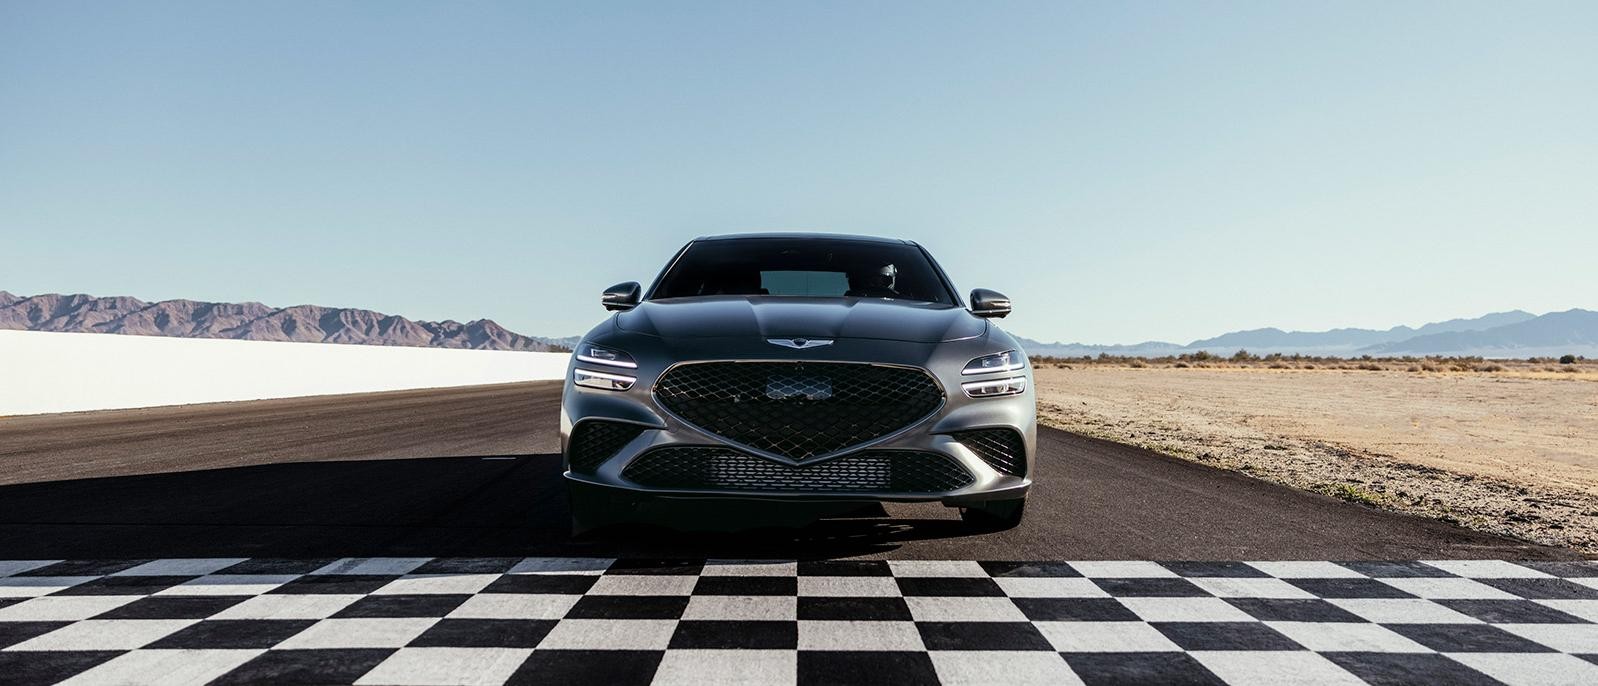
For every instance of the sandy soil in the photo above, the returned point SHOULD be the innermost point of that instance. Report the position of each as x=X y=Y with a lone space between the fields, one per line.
x=1508 y=453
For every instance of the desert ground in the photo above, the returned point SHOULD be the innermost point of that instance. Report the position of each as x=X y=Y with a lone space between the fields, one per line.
x=1511 y=449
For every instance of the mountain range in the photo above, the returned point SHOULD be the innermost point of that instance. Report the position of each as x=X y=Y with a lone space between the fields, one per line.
x=1501 y=334
x=256 y=322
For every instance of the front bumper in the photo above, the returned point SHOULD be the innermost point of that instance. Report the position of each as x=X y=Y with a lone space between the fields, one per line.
x=662 y=429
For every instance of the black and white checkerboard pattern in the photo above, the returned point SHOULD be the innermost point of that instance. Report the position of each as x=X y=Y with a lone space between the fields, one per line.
x=565 y=621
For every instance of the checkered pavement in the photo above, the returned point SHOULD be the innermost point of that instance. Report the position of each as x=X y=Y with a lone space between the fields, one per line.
x=565 y=621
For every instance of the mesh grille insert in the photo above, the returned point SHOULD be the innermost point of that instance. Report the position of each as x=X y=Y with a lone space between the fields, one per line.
x=593 y=442
x=798 y=410
x=724 y=469
x=1002 y=449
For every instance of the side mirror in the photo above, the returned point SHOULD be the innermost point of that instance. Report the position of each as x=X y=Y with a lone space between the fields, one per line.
x=622 y=296
x=986 y=303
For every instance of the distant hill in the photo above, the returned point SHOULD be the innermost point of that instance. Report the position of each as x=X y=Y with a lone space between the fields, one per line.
x=1571 y=331
x=254 y=322
x=1501 y=334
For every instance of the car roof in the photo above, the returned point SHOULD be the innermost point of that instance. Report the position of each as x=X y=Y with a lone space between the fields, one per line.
x=805 y=234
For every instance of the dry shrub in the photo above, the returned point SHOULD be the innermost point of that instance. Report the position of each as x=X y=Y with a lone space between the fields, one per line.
x=1138 y=364
x=1489 y=368
x=1370 y=367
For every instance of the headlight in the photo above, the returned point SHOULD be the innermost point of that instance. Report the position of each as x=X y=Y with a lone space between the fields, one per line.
x=602 y=380
x=1007 y=361
x=588 y=353
x=594 y=354
x=994 y=388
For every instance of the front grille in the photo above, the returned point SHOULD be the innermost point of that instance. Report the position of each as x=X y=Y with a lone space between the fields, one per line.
x=798 y=410
x=593 y=442
x=1002 y=449
x=870 y=471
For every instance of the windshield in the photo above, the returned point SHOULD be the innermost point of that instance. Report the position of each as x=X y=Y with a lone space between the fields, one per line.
x=813 y=267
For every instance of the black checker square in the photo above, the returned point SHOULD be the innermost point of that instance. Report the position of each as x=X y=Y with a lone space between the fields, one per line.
x=1406 y=669
x=1136 y=669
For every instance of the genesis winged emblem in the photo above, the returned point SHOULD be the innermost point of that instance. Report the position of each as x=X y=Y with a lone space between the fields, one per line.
x=799 y=343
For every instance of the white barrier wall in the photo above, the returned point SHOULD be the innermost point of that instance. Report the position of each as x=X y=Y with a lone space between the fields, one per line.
x=69 y=372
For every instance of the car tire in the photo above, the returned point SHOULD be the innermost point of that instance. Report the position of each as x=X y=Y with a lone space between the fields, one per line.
x=594 y=508
x=995 y=515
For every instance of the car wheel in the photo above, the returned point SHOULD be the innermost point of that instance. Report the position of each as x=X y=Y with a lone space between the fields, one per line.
x=995 y=515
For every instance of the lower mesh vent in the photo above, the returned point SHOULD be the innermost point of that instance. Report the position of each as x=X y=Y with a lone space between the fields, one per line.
x=593 y=442
x=1002 y=449
x=871 y=471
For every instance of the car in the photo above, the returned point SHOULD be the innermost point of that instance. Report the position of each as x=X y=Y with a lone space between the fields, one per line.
x=798 y=368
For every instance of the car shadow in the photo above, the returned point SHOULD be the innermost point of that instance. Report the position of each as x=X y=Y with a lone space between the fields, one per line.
x=486 y=506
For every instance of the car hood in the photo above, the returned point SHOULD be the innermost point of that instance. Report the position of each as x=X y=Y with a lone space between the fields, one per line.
x=791 y=317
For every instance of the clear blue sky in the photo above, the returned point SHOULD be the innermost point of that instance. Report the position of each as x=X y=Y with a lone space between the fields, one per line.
x=1125 y=171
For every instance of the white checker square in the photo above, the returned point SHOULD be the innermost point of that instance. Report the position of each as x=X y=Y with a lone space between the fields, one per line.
x=1234 y=587
x=1402 y=611
x=9 y=567
x=979 y=667
x=1122 y=570
x=1049 y=587
x=562 y=565
x=1329 y=637
x=1585 y=609
x=960 y=609
x=699 y=667
x=35 y=586
x=447 y=666
x=1488 y=569
x=432 y=584
x=938 y=568
x=63 y=607
x=289 y=606
x=229 y=584
x=1565 y=638
x=381 y=566
x=1273 y=668
x=848 y=586
x=1295 y=569
x=166 y=667
x=610 y=634
x=105 y=634
x=1105 y=637
x=181 y=567
x=515 y=606
x=644 y=584
x=743 y=607
x=1447 y=588
x=1532 y=669
x=859 y=635
x=1185 y=610
x=750 y=568
x=362 y=632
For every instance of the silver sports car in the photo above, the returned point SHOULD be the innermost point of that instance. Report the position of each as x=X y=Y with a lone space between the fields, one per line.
x=798 y=367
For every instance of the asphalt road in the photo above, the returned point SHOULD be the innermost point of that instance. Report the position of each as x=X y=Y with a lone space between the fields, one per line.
x=475 y=472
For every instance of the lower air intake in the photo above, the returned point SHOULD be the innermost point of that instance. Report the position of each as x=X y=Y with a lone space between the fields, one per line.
x=1002 y=449
x=871 y=471
x=593 y=442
